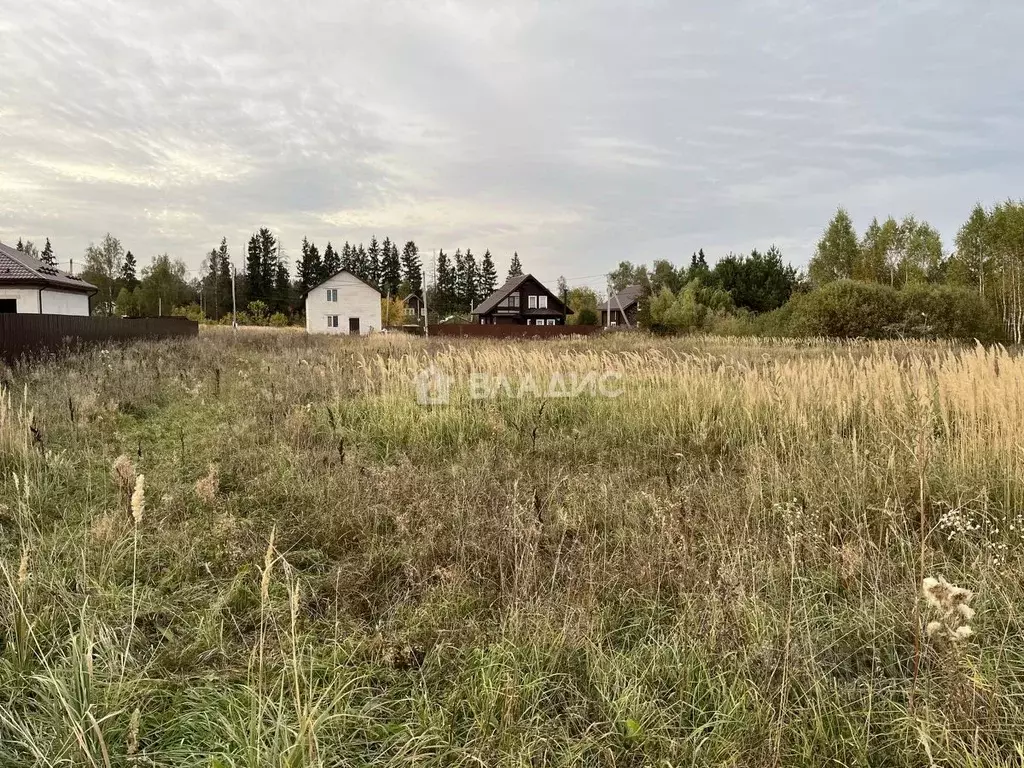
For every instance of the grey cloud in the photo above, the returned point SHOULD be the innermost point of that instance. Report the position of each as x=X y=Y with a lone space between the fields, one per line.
x=578 y=132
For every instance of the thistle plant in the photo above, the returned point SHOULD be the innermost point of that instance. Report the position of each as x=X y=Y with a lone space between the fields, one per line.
x=950 y=608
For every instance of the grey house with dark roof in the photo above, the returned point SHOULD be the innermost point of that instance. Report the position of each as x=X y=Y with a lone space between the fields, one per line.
x=523 y=300
x=623 y=307
x=29 y=286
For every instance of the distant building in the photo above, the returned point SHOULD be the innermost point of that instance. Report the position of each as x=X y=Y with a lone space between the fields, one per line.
x=343 y=304
x=523 y=300
x=29 y=286
x=623 y=307
x=415 y=309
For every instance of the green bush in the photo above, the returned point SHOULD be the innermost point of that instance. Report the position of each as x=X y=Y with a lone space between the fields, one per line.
x=940 y=311
x=847 y=308
x=191 y=311
x=279 y=320
x=258 y=312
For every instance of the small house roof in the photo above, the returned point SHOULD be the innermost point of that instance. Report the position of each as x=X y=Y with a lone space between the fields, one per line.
x=628 y=296
x=18 y=268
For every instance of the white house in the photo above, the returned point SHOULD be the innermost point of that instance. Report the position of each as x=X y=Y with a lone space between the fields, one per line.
x=28 y=286
x=343 y=304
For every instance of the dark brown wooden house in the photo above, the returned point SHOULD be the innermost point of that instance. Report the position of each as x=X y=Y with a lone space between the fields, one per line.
x=623 y=307
x=414 y=309
x=523 y=300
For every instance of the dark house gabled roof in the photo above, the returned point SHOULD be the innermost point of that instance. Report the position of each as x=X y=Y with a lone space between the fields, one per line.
x=17 y=268
x=628 y=296
x=491 y=302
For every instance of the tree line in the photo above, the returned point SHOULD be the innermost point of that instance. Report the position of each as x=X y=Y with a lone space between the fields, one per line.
x=265 y=288
x=984 y=268
x=686 y=297
x=894 y=280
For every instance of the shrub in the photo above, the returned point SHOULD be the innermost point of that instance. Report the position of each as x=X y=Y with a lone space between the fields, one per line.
x=941 y=311
x=847 y=308
x=191 y=311
x=258 y=312
x=279 y=320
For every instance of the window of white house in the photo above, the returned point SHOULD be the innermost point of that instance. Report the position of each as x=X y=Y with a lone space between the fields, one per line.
x=542 y=302
x=332 y=321
x=332 y=294
x=531 y=302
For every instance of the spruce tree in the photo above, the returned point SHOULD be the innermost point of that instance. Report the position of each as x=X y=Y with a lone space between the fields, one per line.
x=488 y=276
x=208 y=285
x=390 y=270
x=347 y=258
x=309 y=270
x=20 y=246
x=254 y=270
x=316 y=266
x=224 y=277
x=332 y=262
x=515 y=269
x=472 y=295
x=47 y=256
x=444 y=285
x=459 y=294
x=397 y=260
x=128 y=275
x=283 y=288
x=372 y=261
x=364 y=270
x=412 y=267
x=269 y=257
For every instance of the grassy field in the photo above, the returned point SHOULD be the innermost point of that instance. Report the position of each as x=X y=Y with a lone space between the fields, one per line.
x=260 y=550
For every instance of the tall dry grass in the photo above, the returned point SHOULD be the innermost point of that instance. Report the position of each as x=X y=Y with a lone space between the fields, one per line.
x=723 y=565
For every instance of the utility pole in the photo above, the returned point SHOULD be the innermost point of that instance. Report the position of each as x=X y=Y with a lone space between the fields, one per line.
x=160 y=306
x=234 y=309
x=426 y=312
x=621 y=311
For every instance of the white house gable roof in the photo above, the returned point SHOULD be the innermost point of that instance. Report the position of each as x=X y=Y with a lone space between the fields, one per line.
x=344 y=272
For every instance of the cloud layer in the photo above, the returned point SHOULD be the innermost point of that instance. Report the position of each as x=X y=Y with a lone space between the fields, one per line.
x=578 y=132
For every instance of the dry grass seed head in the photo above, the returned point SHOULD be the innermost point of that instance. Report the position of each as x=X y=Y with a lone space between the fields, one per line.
x=123 y=472
x=208 y=486
x=139 y=499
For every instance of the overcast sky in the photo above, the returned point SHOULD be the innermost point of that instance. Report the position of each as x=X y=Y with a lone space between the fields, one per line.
x=578 y=132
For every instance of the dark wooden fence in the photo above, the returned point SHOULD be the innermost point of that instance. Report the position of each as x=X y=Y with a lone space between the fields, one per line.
x=513 y=331
x=31 y=334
